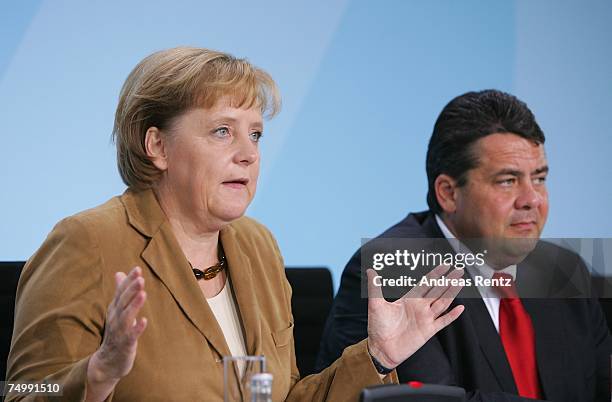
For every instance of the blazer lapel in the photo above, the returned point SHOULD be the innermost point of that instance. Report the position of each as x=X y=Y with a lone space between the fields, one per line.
x=167 y=261
x=538 y=278
x=241 y=275
x=486 y=334
x=549 y=336
x=488 y=339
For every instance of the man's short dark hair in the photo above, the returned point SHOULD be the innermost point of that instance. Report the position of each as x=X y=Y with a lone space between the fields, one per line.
x=465 y=120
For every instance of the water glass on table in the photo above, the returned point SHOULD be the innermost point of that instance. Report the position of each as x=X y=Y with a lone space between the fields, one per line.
x=239 y=372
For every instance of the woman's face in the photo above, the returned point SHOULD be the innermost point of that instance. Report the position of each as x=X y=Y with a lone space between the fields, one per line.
x=212 y=163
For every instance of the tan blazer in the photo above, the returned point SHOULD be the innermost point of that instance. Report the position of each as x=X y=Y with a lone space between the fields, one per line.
x=67 y=284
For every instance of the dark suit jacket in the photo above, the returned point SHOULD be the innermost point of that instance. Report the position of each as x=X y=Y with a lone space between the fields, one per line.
x=573 y=344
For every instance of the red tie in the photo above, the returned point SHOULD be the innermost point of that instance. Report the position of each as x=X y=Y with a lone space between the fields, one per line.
x=518 y=337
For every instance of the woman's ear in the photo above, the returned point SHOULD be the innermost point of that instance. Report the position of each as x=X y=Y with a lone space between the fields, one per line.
x=155 y=147
x=446 y=193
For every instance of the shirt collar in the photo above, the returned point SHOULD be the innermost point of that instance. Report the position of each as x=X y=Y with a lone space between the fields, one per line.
x=482 y=270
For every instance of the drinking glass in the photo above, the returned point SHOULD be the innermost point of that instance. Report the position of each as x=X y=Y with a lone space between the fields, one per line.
x=237 y=373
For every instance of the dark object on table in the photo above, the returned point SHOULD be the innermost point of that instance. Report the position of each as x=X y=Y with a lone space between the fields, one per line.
x=416 y=392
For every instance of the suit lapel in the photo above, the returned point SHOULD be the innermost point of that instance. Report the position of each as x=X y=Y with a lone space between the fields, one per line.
x=536 y=277
x=168 y=263
x=549 y=342
x=241 y=276
x=488 y=339
x=485 y=332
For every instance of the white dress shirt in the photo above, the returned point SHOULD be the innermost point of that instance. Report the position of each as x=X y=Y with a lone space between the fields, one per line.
x=490 y=298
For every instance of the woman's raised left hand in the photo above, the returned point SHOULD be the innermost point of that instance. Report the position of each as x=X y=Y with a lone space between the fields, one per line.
x=396 y=330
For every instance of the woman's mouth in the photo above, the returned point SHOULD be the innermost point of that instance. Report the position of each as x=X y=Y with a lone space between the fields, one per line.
x=239 y=183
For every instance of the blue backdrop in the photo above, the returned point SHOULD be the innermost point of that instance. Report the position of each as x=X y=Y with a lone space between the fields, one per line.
x=362 y=83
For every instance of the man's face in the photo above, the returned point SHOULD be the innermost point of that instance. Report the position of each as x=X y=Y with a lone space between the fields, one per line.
x=505 y=195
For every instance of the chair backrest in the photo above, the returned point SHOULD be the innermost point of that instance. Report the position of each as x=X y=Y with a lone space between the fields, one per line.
x=313 y=294
x=9 y=276
x=407 y=393
x=602 y=285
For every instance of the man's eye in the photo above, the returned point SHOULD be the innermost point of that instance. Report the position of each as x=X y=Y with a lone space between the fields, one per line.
x=506 y=182
x=539 y=180
x=221 y=132
x=256 y=136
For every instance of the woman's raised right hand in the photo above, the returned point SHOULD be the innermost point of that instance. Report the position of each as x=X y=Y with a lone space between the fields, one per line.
x=115 y=357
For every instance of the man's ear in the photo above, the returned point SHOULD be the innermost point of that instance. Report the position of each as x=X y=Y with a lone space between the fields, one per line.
x=155 y=146
x=446 y=193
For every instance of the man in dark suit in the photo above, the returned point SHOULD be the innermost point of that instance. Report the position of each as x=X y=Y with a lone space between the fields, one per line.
x=487 y=171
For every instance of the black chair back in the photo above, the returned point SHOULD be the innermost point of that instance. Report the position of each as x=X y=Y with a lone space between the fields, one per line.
x=602 y=286
x=9 y=276
x=313 y=294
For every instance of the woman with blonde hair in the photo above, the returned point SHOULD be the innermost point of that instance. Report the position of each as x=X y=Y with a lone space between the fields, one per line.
x=201 y=281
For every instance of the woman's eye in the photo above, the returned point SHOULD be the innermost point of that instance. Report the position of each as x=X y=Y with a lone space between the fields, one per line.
x=256 y=136
x=221 y=132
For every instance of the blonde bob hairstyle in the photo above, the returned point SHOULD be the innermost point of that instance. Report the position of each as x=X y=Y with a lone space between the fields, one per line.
x=170 y=82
